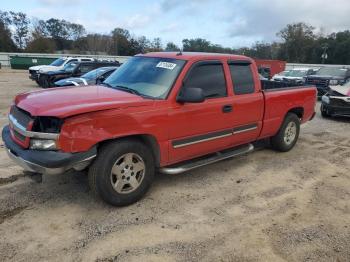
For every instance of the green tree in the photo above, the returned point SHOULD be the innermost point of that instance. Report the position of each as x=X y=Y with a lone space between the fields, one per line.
x=196 y=45
x=170 y=46
x=120 y=41
x=298 y=39
x=20 y=22
x=41 y=45
x=6 y=42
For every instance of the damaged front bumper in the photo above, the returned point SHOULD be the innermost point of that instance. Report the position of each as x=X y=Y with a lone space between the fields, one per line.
x=46 y=162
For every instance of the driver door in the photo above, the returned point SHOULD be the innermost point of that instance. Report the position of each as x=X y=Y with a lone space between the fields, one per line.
x=200 y=128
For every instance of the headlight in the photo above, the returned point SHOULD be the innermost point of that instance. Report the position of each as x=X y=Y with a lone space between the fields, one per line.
x=325 y=99
x=43 y=144
x=333 y=82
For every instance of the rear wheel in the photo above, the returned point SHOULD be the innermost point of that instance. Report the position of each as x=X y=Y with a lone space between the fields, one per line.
x=288 y=134
x=122 y=172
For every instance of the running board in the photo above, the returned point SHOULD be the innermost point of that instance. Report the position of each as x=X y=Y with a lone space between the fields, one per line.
x=206 y=160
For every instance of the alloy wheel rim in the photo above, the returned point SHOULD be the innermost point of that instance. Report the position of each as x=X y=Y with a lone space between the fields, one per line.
x=290 y=133
x=127 y=173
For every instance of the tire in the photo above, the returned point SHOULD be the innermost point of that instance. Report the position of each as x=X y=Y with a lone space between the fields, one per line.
x=288 y=134
x=116 y=175
x=41 y=81
x=324 y=112
x=37 y=82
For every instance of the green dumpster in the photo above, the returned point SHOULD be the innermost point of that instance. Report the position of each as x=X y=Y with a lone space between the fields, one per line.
x=24 y=62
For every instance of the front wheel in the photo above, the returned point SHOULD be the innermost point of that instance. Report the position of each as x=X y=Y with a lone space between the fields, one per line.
x=122 y=173
x=288 y=134
x=324 y=112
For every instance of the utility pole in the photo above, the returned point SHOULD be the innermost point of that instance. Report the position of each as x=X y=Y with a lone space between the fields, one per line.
x=324 y=55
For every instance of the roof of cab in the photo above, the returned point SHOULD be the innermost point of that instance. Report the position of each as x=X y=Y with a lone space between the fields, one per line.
x=195 y=55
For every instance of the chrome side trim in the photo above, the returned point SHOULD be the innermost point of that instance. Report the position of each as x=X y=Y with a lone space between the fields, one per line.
x=23 y=131
x=215 y=135
x=245 y=130
x=189 y=165
x=344 y=98
x=202 y=140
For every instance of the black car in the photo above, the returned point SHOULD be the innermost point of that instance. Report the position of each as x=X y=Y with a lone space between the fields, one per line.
x=337 y=101
x=93 y=77
x=328 y=76
x=48 y=79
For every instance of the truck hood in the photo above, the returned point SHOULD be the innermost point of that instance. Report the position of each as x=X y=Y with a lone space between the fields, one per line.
x=44 y=68
x=344 y=90
x=69 y=101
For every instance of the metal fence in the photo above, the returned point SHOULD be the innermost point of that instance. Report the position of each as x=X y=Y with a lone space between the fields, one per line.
x=313 y=66
x=5 y=57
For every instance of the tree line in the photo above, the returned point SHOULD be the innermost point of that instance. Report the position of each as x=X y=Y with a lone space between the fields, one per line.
x=298 y=42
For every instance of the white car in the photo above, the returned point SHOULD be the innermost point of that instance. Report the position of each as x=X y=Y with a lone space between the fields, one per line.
x=34 y=71
x=295 y=75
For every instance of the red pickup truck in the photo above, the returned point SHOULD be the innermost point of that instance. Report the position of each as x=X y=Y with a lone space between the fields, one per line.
x=166 y=112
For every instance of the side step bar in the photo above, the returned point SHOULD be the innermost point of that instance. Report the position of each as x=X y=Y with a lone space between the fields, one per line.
x=206 y=160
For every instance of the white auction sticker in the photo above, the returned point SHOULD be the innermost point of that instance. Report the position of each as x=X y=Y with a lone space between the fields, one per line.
x=166 y=65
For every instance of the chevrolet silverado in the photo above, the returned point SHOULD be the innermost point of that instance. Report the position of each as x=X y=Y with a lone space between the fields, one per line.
x=167 y=112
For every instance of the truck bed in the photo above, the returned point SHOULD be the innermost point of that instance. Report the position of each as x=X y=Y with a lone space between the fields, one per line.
x=280 y=98
x=268 y=84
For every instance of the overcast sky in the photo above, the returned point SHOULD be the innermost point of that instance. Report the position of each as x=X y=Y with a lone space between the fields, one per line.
x=231 y=23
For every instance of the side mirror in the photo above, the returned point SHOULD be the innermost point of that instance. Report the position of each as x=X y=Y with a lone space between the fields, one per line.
x=191 y=95
x=100 y=79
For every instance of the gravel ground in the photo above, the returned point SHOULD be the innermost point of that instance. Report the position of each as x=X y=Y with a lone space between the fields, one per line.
x=265 y=206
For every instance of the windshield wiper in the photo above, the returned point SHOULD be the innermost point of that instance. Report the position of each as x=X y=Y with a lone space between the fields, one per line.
x=132 y=91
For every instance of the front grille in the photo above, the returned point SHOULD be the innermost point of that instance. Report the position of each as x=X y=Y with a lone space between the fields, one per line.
x=317 y=82
x=22 y=117
x=339 y=102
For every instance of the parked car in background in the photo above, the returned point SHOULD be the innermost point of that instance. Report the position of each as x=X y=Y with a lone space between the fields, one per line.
x=93 y=77
x=280 y=75
x=328 y=76
x=74 y=69
x=60 y=63
x=167 y=111
x=295 y=75
x=337 y=101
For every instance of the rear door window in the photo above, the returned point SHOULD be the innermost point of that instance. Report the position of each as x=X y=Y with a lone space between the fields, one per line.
x=242 y=78
x=86 y=68
x=209 y=77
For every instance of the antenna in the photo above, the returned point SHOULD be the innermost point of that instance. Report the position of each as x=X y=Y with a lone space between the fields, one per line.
x=180 y=52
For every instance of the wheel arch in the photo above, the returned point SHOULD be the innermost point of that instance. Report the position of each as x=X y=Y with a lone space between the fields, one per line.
x=299 y=111
x=146 y=139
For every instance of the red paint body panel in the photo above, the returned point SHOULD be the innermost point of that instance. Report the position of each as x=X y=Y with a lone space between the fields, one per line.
x=97 y=113
x=275 y=66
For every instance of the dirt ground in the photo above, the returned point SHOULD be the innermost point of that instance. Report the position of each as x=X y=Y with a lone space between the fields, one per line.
x=265 y=206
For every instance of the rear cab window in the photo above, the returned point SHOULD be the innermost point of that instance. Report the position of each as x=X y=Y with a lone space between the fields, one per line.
x=242 y=77
x=209 y=76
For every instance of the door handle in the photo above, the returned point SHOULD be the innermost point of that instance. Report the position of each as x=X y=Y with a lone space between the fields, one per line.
x=227 y=108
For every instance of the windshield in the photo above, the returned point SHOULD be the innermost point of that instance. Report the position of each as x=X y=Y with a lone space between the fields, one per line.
x=148 y=76
x=69 y=67
x=284 y=73
x=331 y=71
x=297 y=73
x=95 y=73
x=58 y=62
